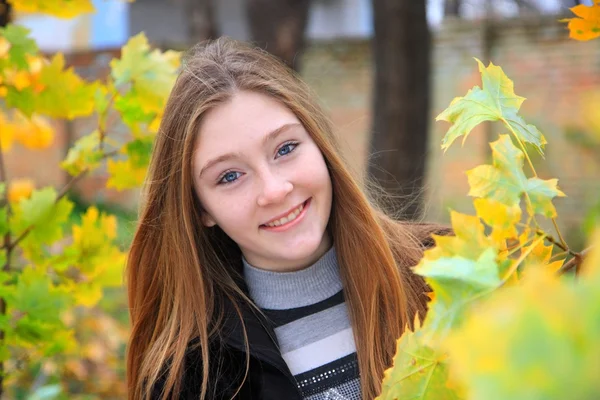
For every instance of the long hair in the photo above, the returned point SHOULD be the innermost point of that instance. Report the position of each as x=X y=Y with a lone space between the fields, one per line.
x=178 y=270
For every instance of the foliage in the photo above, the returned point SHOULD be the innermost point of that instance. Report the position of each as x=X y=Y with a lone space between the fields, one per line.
x=587 y=24
x=509 y=318
x=57 y=338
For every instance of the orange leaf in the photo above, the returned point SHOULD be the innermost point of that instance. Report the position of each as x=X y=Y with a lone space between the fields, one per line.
x=587 y=25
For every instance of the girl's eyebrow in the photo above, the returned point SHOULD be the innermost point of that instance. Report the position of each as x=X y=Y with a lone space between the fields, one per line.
x=273 y=134
x=224 y=157
x=268 y=137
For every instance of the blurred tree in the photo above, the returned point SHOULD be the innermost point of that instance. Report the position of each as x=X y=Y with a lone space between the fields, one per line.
x=201 y=21
x=278 y=26
x=452 y=8
x=401 y=48
x=5 y=12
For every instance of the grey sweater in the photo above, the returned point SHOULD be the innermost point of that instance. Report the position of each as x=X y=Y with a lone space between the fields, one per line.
x=311 y=323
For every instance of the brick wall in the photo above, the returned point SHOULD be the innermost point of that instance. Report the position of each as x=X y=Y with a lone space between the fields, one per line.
x=553 y=72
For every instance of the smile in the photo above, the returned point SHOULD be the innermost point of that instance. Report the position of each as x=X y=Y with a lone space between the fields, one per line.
x=288 y=220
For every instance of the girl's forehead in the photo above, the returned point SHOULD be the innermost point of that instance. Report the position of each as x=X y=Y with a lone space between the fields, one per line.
x=246 y=117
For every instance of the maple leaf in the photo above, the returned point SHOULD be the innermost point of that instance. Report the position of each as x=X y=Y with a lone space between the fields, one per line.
x=457 y=282
x=65 y=95
x=20 y=189
x=123 y=174
x=505 y=181
x=151 y=72
x=56 y=8
x=586 y=25
x=21 y=45
x=46 y=217
x=84 y=154
x=469 y=240
x=419 y=372
x=497 y=101
x=543 y=332
x=500 y=217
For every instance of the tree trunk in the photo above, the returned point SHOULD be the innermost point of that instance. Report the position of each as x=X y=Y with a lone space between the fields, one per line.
x=278 y=26
x=201 y=22
x=5 y=13
x=452 y=8
x=401 y=101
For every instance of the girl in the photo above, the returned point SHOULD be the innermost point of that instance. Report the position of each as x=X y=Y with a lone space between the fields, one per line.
x=260 y=269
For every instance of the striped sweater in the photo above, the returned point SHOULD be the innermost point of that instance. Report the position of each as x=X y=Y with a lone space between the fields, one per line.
x=311 y=323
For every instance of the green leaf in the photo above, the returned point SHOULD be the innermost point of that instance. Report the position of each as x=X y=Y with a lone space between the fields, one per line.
x=497 y=101
x=153 y=73
x=84 y=154
x=505 y=181
x=123 y=174
x=37 y=298
x=538 y=340
x=419 y=372
x=456 y=283
x=139 y=151
x=21 y=44
x=65 y=95
x=44 y=214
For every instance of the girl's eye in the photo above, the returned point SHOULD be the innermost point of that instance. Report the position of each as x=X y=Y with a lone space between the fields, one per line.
x=286 y=149
x=229 y=177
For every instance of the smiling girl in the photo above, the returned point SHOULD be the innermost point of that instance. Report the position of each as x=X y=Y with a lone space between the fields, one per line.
x=260 y=269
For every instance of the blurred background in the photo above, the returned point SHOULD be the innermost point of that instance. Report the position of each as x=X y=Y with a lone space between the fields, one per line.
x=383 y=69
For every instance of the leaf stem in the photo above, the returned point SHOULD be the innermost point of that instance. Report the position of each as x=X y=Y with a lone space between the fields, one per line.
x=575 y=262
x=518 y=261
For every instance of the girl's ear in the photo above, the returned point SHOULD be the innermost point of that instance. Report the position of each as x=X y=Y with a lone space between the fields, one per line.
x=207 y=220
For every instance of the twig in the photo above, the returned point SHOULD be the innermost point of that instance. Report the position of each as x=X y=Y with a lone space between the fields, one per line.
x=574 y=262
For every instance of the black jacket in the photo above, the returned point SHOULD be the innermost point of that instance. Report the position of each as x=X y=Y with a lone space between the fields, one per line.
x=269 y=377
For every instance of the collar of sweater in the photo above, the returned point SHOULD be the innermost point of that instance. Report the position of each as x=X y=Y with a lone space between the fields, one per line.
x=284 y=290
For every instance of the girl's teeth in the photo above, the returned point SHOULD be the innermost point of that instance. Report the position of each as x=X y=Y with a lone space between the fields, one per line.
x=290 y=217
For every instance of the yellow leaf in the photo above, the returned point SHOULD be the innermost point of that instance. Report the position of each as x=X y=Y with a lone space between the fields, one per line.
x=57 y=8
x=500 y=217
x=469 y=241
x=586 y=25
x=36 y=133
x=20 y=189
x=7 y=132
x=4 y=47
x=123 y=175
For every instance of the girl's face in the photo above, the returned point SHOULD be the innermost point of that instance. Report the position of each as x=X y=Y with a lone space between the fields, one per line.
x=262 y=179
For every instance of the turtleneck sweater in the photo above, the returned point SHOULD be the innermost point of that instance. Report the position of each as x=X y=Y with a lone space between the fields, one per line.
x=310 y=319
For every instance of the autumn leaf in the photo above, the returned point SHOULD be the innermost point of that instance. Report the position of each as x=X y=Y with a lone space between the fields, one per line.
x=56 y=8
x=66 y=95
x=586 y=25
x=20 y=189
x=123 y=174
x=35 y=133
x=538 y=340
x=505 y=181
x=457 y=282
x=419 y=372
x=500 y=217
x=20 y=45
x=85 y=154
x=43 y=215
x=469 y=240
x=497 y=101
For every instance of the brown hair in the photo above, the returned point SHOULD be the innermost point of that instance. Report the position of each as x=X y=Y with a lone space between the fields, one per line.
x=178 y=269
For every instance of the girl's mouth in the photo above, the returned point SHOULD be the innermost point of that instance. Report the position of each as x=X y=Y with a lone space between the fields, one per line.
x=290 y=220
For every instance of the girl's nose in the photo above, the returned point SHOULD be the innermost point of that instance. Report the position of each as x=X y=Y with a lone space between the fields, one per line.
x=274 y=190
